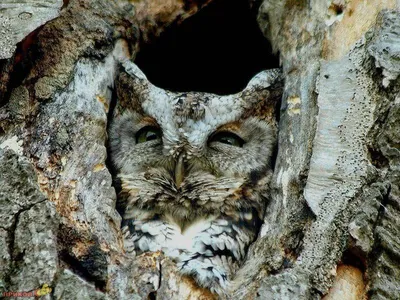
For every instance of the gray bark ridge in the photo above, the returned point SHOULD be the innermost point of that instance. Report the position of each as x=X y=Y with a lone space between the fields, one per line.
x=350 y=187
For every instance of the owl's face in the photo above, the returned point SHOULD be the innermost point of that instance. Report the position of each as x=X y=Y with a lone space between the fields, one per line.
x=186 y=155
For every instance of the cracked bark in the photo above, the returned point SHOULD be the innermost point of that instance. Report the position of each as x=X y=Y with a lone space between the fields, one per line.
x=332 y=225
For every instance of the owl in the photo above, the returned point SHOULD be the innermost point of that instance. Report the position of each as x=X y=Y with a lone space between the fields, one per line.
x=193 y=170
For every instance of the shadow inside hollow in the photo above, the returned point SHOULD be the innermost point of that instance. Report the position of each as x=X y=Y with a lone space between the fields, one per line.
x=218 y=50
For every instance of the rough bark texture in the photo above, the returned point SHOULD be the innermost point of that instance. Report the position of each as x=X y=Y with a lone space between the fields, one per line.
x=335 y=187
x=19 y=19
x=332 y=227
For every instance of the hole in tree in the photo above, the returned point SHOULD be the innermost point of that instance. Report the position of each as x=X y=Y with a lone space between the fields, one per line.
x=377 y=158
x=218 y=50
x=354 y=257
x=336 y=9
x=152 y=296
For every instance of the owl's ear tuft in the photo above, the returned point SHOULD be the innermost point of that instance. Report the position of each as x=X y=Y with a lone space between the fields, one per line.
x=133 y=70
x=132 y=88
x=265 y=79
x=262 y=94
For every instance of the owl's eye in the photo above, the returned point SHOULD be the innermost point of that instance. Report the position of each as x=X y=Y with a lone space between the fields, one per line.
x=228 y=138
x=148 y=133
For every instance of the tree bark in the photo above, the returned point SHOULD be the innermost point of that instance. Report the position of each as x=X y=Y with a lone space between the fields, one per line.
x=332 y=224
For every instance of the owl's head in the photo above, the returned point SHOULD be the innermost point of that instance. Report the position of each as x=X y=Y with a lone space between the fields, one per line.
x=192 y=154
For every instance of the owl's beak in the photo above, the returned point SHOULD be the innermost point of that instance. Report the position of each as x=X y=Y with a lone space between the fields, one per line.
x=179 y=171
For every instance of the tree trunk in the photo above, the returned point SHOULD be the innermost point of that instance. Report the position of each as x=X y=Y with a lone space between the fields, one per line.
x=332 y=224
